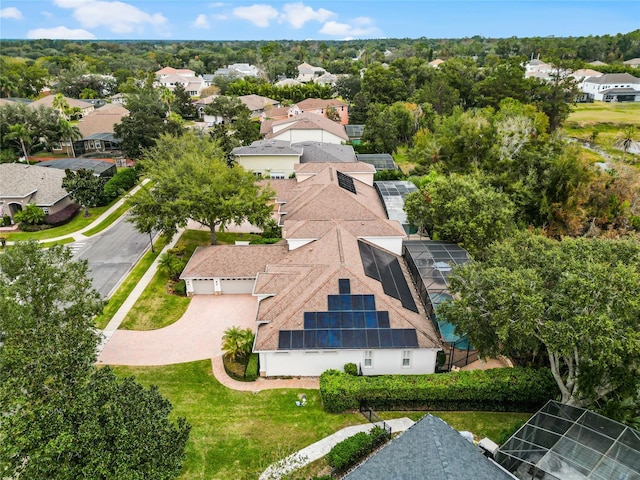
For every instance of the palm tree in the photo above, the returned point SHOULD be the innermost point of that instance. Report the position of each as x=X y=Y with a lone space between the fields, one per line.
x=237 y=342
x=70 y=132
x=21 y=132
x=60 y=103
x=168 y=97
x=171 y=265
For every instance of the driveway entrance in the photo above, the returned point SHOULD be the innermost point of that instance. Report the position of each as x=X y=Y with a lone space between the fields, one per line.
x=196 y=336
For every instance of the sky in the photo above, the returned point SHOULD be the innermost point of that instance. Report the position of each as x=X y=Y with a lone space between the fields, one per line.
x=312 y=20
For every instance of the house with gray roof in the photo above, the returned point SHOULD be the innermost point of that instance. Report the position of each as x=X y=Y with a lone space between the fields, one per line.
x=318 y=152
x=613 y=87
x=429 y=449
x=21 y=185
x=268 y=158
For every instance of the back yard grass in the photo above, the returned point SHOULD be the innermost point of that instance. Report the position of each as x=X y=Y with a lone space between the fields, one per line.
x=604 y=112
x=236 y=435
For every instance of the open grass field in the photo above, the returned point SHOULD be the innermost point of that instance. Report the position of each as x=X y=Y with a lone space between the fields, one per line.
x=603 y=112
x=236 y=435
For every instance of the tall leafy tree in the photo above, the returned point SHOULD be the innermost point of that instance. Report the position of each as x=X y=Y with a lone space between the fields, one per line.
x=192 y=180
x=85 y=188
x=574 y=301
x=461 y=209
x=62 y=417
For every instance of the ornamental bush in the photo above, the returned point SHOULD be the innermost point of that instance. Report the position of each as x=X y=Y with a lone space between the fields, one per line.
x=349 y=451
x=123 y=181
x=351 y=369
x=251 y=373
x=63 y=216
x=498 y=389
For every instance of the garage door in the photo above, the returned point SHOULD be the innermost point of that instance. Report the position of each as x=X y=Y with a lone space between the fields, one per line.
x=236 y=286
x=203 y=287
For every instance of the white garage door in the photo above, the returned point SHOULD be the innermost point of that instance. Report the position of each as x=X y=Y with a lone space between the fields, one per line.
x=236 y=286
x=203 y=287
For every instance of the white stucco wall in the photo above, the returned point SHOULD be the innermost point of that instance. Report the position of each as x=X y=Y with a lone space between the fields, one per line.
x=313 y=362
x=366 y=177
x=268 y=163
x=305 y=135
x=393 y=244
x=294 y=243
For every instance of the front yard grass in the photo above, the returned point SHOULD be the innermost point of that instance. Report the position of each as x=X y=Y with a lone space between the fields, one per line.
x=237 y=435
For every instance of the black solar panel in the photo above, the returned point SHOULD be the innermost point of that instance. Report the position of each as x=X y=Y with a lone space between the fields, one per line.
x=354 y=322
x=346 y=182
x=385 y=268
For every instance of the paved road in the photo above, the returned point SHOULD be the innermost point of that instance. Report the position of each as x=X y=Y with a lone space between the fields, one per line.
x=111 y=254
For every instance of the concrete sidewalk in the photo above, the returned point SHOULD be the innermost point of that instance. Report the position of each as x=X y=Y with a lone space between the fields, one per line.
x=79 y=235
x=321 y=448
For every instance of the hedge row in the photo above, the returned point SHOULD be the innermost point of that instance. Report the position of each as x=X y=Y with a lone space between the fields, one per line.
x=349 y=451
x=251 y=372
x=63 y=216
x=498 y=389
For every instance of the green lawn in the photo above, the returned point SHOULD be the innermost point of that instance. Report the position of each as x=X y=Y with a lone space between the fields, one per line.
x=113 y=216
x=236 y=435
x=603 y=112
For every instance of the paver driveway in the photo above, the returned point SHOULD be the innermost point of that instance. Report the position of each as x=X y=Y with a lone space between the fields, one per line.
x=196 y=336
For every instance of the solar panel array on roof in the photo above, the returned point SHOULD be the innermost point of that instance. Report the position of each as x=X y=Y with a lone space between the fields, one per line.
x=346 y=182
x=351 y=321
x=382 y=161
x=385 y=268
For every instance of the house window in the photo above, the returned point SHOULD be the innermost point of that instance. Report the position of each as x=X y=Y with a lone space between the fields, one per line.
x=406 y=358
x=97 y=144
x=368 y=358
x=45 y=211
x=277 y=175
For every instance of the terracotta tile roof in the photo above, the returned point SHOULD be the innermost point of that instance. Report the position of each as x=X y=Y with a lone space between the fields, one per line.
x=102 y=120
x=232 y=260
x=307 y=121
x=315 y=103
x=318 y=266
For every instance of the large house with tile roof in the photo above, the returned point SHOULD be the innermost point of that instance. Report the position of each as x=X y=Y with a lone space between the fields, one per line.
x=335 y=290
x=21 y=185
x=169 y=77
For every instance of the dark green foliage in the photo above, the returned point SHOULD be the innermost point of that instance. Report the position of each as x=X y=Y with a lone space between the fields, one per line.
x=272 y=230
x=383 y=175
x=500 y=389
x=349 y=451
x=64 y=418
x=252 y=371
x=350 y=369
x=123 y=181
x=182 y=104
x=85 y=188
x=180 y=288
x=31 y=214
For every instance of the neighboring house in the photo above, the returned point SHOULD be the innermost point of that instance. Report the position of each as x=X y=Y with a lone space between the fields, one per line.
x=336 y=291
x=96 y=102
x=268 y=158
x=634 y=62
x=257 y=104
x=319 y=106
x=565 y=442
x=308 y=73
x=100 y=168
x=326 y=79
x=613 y=87
x=23 y=184
x=200 y=105
x=581 y=74
x=538 y=69
x=598 y=63
x=119 y=98
x=436 y=63
x=279 y=113
x=84 y=107
x=238 y=70
x=305 y=127
x=287 y=82
x=98 y=131
x=169 y=77
x=429 y=449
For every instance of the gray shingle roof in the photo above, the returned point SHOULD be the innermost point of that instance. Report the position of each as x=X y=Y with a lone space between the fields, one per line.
x=267 y=147
x=314 y=152
x=429 y=449
x=42 y=185
x=610 y=78
x=75 y=164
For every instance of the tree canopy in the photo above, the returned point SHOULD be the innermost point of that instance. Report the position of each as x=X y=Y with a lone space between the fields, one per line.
x=62 y=417
x=575 y=301
x=192 y=180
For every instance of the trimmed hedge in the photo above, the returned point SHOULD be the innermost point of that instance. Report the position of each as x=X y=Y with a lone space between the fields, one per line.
x=251 y=373
x=351 y=369
x=63 y=216
x=498 y=389
x=349 y=451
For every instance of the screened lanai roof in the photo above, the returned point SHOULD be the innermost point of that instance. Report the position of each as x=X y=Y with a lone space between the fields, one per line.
x=393 y=193
x=562 y=442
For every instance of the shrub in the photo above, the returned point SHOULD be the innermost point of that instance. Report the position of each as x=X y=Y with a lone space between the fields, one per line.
x=265 y=241
x=6 y=221
x=252 y=371
x=498 y=389
x=30 y=215
x=124 y=180
x=63 y=216
x=349 y=451
x=180 y=288
x=271 y=229
x=350 y=369
x=26 y=227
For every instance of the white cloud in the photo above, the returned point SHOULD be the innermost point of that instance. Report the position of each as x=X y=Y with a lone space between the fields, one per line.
x=360 y=27
x=297 y=14
x=60 y=33
x=11 y=12
x=258 y=14
x=201 y=21
x=117 y=16
x=47 y=14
